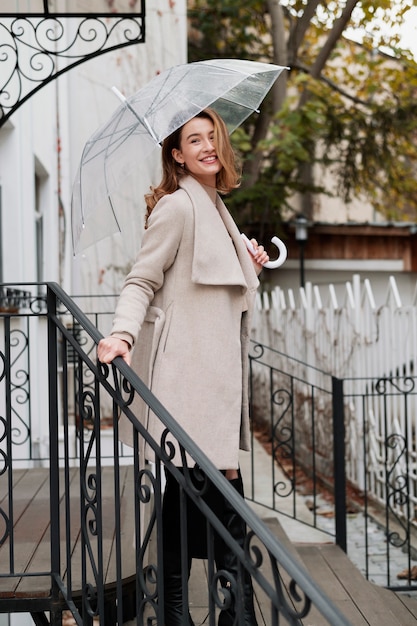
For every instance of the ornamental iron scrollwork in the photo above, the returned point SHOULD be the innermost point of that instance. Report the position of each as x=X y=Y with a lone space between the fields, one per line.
x=277 y=393
x=283 y=439
x=400 y=385
x=396 y=465
x=15 y=383
x=36 y=48
x=4 y=466
x=147 y=572
x=15 y=423
x=397 y=489
x=19 y=386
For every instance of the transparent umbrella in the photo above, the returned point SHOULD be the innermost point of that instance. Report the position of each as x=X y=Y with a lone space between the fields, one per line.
x=234 y=88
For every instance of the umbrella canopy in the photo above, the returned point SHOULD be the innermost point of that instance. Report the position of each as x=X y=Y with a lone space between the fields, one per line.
x=232 y=87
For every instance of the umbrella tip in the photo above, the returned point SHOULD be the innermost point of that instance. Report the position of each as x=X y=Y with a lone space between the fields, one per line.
x=118 y=93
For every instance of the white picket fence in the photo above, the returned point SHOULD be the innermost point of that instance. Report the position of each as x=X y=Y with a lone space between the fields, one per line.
x=349 y=336
x=355 y=339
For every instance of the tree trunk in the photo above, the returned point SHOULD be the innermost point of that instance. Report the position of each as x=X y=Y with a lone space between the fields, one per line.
x=298 y=32
x=277 y=95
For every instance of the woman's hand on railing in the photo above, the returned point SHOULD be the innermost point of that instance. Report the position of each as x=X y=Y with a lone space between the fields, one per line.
x=111 y=347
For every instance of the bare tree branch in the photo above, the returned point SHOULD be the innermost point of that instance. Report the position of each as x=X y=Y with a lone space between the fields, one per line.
x=334 y=36
x=333 y=86
x=306 y=169
x=299 y=30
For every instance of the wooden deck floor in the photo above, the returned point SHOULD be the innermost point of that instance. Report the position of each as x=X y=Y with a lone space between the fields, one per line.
x=361 y=602
x=31 y=529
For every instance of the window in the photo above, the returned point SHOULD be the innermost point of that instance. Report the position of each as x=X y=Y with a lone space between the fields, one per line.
x=38 y=230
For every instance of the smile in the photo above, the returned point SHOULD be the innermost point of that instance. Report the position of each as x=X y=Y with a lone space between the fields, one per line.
x=209 y=159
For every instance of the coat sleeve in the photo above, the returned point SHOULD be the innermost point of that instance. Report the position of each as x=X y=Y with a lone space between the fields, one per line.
x=159 y=247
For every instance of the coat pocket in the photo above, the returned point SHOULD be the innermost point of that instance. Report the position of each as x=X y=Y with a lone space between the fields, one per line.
x=144 y=355
x=148 y=342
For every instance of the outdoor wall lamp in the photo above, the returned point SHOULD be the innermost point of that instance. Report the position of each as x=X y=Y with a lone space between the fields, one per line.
x=301 y=224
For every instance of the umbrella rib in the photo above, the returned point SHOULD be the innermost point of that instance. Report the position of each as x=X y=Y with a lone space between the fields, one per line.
x=241 y=104
x=114 y=213
x=114 y=144
x=155 y=102
x=106 y=154
x=143 y=121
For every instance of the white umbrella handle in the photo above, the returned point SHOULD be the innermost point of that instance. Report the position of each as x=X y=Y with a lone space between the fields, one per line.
x=271 y=265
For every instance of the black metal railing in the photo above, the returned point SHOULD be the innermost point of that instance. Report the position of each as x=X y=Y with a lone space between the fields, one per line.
x=97 y=551
x=300 y=410
x=384 y=412
x=352 y=442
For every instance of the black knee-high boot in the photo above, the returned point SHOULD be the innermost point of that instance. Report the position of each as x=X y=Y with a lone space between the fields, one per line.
x=227 y=560
x=173 y=606
x=175 y=613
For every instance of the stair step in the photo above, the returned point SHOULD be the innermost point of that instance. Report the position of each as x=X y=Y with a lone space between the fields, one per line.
x=362 y=602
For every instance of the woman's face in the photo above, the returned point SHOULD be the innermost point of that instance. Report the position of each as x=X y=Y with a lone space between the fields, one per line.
x=198 y=152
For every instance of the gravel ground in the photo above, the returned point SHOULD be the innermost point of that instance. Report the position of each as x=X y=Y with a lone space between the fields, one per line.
x=385 y=561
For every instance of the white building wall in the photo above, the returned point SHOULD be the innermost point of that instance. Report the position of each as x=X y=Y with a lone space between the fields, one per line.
x=44 y=137
x=28 y=146
x=128 y=69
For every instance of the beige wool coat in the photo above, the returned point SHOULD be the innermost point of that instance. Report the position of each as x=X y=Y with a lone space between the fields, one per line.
x=185 y=308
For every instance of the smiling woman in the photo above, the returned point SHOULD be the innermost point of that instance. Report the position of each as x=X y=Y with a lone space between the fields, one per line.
x=188 y=299
x=201 y=148
x=197 y=153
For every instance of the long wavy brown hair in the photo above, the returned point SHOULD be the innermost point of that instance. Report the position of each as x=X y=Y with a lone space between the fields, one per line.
x=227 y=179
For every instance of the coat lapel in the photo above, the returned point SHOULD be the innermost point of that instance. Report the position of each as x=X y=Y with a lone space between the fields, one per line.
x=220 y=256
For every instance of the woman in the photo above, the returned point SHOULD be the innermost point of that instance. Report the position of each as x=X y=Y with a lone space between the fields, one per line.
x=185 y=307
